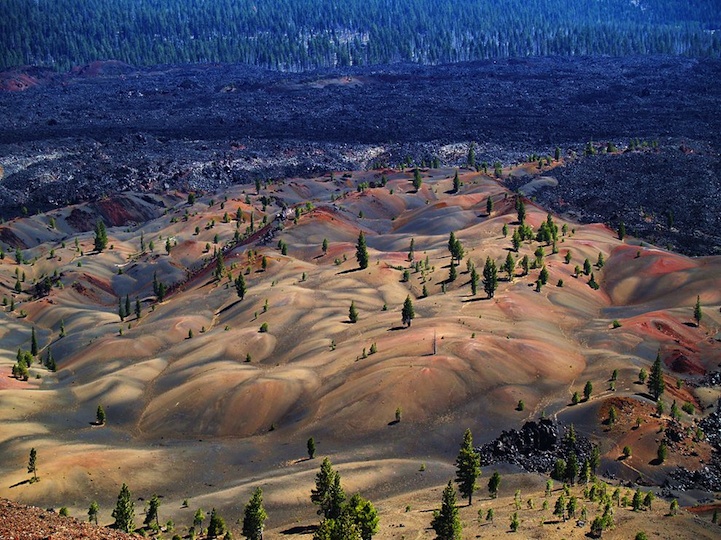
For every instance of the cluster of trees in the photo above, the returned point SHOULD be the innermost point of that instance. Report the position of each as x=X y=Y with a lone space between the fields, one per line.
x=354 y=519
x=297 y=35
x=342 y=519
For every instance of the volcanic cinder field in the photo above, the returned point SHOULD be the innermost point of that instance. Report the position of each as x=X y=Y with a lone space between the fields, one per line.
x=202 y=406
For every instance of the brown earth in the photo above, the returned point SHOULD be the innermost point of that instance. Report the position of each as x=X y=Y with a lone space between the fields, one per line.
x=189 y=418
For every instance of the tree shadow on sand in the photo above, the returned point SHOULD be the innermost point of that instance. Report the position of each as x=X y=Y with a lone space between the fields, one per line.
x=350 y=271
x=22 y=483
x=300 y=529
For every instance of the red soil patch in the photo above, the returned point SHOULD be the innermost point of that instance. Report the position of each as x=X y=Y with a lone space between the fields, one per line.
x=122 y=210
x=681 y=363
x=24 y=77
x=99 y=283
x=624 y=406
x=10 y=382
x=17 y=82
x=18 y=521
x=661 y=327
x=80 y=220
x=86 y=292
x=704 y=509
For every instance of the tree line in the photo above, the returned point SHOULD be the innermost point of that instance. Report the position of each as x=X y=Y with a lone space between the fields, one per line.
x=295 y=35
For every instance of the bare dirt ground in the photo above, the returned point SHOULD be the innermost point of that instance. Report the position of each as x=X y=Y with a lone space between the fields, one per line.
x=190 y=418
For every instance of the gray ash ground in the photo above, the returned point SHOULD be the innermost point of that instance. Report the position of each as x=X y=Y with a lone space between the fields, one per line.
x=108 y=128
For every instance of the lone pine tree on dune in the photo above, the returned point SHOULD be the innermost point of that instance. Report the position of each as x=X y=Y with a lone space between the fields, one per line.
x=468 y=467
x=697 y=313
x=656 y=384
x=407 y=313
x=361 y=251
x=124 y=513
x=254 y=516
x=101 y=236
x=32 y=464
x=445 y=521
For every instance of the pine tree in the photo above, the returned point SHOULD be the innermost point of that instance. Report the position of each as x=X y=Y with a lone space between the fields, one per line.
x=474 y=281
x=571 y=468
x=560 y=508
x=324 y=246
x=33 y=464
x=151 y=514
x=489 y=205
x=219 y=271
x=468 y=467
x=342 y=528
x=254 y=516
x=490 y=277
x=407 y=313
x=138 y=311
x=587 y=389
x=452 y=272
x=361 y=251
x=521 y=210
x=363 y=514
x=198 y=518
x=656 y=384
x=93 y=512
x=697 y=313
x=509 y=266
x=101 y=236
x=543 y=276
x=352 y=313
x=240 y=287
x=494 y=484
x=216 y=525
x=323 y=484
x=100 y=417
x=456 y=183
x=446 y=522
x=516 y=240
x=311 y=448
x=33 y=343
x=417 y=180
x=124 y=513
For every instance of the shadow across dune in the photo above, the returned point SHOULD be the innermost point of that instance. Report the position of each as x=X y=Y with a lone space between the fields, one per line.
x=300 y=529
x=396 y=328
x=22 y=483
x=349 y=271
x=226 y=308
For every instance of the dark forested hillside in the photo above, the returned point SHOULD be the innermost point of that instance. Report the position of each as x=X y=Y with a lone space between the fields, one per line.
x=304 y=34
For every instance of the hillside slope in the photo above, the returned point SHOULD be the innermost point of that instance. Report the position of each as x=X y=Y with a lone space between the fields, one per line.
x=203 y=401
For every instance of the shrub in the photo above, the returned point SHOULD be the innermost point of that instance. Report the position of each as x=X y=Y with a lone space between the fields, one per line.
x=263 y=327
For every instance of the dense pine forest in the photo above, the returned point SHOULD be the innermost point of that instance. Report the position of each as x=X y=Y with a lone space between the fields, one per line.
x=305 y=34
